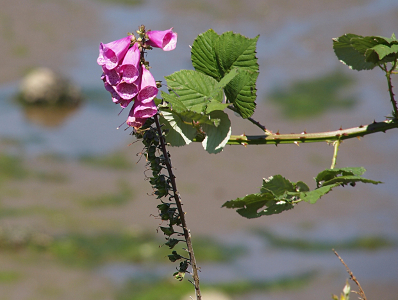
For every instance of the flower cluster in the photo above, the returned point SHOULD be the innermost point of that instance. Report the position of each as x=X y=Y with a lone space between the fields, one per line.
x=125 y=74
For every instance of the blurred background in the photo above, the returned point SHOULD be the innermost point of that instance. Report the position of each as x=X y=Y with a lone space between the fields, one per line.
x=76 y=216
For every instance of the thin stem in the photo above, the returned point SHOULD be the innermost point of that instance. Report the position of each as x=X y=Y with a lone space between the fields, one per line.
x=258 y=124
x=336 y=150
x=187 y=234
x=353 y=278
x=298 y=138
x=388 y=76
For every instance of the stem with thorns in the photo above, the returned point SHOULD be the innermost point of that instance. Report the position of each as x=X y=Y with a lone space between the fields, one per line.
x=298 y=138
x=388 y=76
x=187 y=234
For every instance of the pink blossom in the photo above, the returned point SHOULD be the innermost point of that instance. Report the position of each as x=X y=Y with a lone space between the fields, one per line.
x=140 y=112
x=135 y=122
x=111 y=76
x=127 y=90
x=167 y=39
x=130 y=64
x=115 y=96
x=112 y=53
x=148 y=88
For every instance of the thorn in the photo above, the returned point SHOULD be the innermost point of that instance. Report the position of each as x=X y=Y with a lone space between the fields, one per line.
x=296 y=143
x=341 y=128
x=304 y=132
x=360 y=126
x=374 y=121
x=277 y=133
x=358 y=137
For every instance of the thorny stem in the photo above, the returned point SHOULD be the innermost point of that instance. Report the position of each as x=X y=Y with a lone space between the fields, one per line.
x=336 y=150
x=298 y=138
x=388 y=76
x=187 y=234
x=353 y=278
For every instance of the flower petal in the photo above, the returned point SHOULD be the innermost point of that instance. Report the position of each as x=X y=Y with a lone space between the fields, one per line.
x=148 y=88
x=166 y=39
x=130 y=65
x=127 y=90
x=112 y=53
x=111 y=76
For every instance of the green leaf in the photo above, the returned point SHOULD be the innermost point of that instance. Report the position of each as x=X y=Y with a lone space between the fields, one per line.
x=391 y=40
x=179 y=133
x=167 y=230
x=236 y=51
x=277 y=185
x=215 y=105
x=250 y=205
x=194 y=89
x=277 y=194
x=382 y=53
x=330 y=178
x=329 y=174
x=219 y=56
x=217 y=136
x=241 y=92
x=203 y=54
x=343 y=180
x=175 y=102
x=353 y=57
x=313 y=196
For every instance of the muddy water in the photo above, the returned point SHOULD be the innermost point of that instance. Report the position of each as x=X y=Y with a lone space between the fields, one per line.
x=295 y=43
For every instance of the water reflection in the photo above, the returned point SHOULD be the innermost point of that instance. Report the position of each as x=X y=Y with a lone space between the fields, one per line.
x=314 y=97
x=49 y=116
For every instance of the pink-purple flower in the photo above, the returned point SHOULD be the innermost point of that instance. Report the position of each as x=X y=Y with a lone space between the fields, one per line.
x=126 y=76
x=112 y=53
x=166 y=39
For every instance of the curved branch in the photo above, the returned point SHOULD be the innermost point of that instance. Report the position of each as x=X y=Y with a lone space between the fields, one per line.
x=298 y=138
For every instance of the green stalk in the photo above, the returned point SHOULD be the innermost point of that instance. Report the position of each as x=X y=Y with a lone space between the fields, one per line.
x=336 y=150
x=299 y=138
x=388 y=76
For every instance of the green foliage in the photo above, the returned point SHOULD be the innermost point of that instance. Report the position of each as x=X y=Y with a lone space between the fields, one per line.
x=117 y=161
x=279 y=194
x=154 y=289
x=369 y=243
x=365 y=52
x=122 y=196
x=217 y=55
x=224 y=64
x=309 y=98
x=83 y=250
x=11 y=167
x=9 y=276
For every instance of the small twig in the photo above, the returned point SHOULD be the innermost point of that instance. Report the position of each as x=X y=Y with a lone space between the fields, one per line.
x=353 y=278
x=336 y=145
x=258 y=124
x=187 y=234
x=388 y=76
